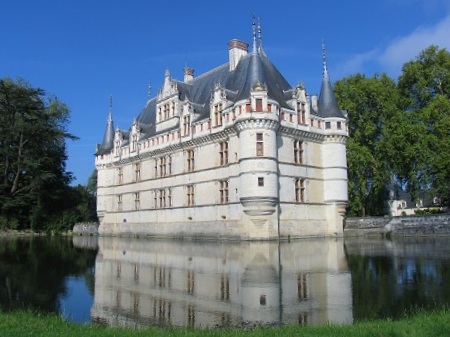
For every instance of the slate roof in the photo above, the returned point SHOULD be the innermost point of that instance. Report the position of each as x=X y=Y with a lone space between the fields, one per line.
x=253 y=68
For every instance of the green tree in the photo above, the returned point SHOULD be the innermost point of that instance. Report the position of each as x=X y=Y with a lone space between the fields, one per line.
x=33 y=176
x=425 y=85
x=372 y=104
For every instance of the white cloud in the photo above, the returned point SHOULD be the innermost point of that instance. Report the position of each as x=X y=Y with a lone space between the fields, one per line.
x=390 y=58
x=408 y=47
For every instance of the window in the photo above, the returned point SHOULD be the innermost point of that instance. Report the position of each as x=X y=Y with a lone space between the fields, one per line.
x=190 y=160
x=169 y=198
x=301 y=113
x=190 y=195
x=119 y=175
x=156 y=167
x=259 y=104
x=327 y=125
x=134 y=143
x=339 y=125
x=186 y=125
x=117 y=148
x=223 y=153
x=137 y=171
x=223 y=191
x=300 y=190
x=248 y=107
x=162 y=167
x=259 y=145
x=137 y=202
x=162 y=198
x=119 y=202
x=260 y=181
x=218 y=114
x=298 y=152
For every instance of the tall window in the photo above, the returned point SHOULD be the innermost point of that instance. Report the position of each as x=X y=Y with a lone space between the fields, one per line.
x=259 y=145
x=134 y=143
x=190 y=195
x=218 y=114
x=223 y=191
x=223 y=153
x=162 y=198
x=119 y=202
x=186 y=125
x=300 y=190
x=162 y=166
x=119 y=175
x=137 y=171
x=301 y=113
x=190 y=160
x=298 y=152
x=117 y=148
x=137 y=202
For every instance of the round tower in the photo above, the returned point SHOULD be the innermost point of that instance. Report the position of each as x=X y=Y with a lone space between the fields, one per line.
x=258 y=164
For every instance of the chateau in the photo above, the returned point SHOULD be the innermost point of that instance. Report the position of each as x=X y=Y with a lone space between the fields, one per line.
x=234 y=153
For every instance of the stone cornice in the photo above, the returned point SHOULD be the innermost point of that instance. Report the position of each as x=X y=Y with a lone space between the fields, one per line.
x=256 y=123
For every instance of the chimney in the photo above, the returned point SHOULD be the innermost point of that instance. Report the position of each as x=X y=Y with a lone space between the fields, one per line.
x=236 y=49
x=314 y=103
x=188 y=74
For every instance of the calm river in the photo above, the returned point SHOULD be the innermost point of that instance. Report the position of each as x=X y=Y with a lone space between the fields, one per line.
x=137 y=282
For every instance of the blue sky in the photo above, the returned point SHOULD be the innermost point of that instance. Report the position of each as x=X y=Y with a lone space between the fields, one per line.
x=85 y=51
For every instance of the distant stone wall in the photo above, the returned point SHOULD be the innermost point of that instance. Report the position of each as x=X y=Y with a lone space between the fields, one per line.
x=85 y=228
x=437 y=224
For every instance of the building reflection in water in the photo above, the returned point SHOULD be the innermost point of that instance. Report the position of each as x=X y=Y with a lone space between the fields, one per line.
x=209 y=284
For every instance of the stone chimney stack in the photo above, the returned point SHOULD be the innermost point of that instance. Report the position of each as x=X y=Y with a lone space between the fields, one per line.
x=236 y=49
x=314 y=102
x=188 y=74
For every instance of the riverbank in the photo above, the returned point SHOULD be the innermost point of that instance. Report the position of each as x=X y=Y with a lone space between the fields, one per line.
x=421 y=324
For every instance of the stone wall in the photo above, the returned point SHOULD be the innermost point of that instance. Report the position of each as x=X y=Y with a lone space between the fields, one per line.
x=437 y=224
x=85 y=228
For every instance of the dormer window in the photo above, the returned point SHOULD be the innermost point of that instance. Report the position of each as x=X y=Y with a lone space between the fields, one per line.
x=218 y=114
x=259 y=104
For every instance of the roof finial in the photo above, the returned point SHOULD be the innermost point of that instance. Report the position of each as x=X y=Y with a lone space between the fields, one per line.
x=259 y=35
x=254 y=50
x=110 y=106
x=324 y=56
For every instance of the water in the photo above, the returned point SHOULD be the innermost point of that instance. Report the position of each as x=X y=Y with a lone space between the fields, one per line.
x=137 y=282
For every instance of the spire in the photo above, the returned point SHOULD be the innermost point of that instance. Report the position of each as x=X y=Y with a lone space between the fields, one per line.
x=260 y=49
x=254 y=43
x=108 y=138
x=327 y=101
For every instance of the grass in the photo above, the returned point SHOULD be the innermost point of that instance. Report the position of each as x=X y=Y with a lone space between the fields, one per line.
x=422 y=324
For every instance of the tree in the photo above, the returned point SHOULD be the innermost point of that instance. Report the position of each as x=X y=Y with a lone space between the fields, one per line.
x=425 y=84
x=372 y=105
x=33 y=176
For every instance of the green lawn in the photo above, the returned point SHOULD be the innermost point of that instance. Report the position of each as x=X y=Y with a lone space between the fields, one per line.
x=423 y=324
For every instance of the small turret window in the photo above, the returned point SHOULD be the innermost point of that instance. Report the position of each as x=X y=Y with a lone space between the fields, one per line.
x=259 y=145
x=339 y=125
x=261 y=181
x=327 y=125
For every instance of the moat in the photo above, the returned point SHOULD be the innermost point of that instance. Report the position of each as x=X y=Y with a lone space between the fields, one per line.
x=137 y=282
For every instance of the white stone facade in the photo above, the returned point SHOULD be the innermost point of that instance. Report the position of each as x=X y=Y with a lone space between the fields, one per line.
x=248 y=163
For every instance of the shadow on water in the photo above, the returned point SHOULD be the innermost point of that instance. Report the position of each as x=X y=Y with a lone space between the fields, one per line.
x=137 y=282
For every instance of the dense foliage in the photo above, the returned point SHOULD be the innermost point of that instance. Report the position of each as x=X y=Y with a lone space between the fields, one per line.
x=399 y=133
x=34 y=183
